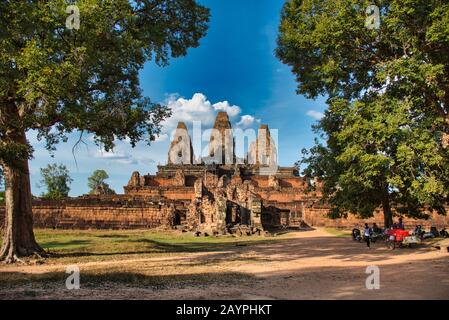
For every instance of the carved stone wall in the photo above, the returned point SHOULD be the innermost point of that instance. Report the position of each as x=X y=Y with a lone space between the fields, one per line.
x=181 y=150
x=101 y=213
x=135 y=180
x=179 y=180
x=135 y=213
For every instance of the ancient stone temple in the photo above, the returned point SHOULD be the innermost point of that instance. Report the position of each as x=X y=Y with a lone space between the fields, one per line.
x=215 y=194
x=220 y=194
x=181 y=151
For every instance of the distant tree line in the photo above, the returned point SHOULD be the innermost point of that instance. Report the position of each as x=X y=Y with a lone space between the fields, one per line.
x=55 y=178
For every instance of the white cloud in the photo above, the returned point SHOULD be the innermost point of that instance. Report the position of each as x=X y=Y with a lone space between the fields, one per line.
x=315 y=114
x=198 y=108
x=187 y=110
x=161 y=138
x=115 y=156
x=225 y=106
x=123 y=157
x=247 y=121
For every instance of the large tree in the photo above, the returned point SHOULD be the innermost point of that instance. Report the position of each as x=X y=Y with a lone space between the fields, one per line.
x=387 y=90
x=2 y=192
x=56 y=179
x=333 y=53
x=97 y=184
x=60 y=80
x=377 y=155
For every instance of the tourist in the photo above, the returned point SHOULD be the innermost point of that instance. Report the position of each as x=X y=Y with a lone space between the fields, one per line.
x=367 y=234
x=419 y=232
x=400 y=225
x=376 y=229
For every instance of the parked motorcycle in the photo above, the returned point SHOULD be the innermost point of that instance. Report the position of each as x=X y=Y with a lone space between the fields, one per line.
x=356 y=235
x=378 y=235
x=419 y=232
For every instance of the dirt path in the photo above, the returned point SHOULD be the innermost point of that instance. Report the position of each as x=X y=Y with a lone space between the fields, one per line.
x=309 y=265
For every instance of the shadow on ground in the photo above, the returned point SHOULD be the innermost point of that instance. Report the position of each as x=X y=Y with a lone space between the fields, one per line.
x=419 y=280
x=278 y=250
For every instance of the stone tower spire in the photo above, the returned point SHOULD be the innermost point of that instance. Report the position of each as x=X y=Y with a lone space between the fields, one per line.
x=221 y=145
x=263 y=151
x=181 y=151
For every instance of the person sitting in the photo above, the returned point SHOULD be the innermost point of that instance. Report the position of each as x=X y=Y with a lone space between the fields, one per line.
x=419 y=232
x=400 y=224
x=376 y=229
x=434 y=231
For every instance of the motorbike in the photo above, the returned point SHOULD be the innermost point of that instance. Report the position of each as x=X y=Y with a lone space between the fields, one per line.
x=419 y=232
x=378 y=235
x=356 y=235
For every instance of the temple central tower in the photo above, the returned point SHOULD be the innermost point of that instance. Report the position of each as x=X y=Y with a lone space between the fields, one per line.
x=221 y=144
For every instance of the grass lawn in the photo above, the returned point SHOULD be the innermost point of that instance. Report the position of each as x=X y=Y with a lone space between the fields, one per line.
x=77 y=246
x=98 y=247
x=338 y=232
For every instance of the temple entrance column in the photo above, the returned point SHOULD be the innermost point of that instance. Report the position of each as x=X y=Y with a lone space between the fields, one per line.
x=256 y=214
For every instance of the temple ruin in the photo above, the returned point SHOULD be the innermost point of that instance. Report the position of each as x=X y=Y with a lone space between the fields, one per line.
x=218 y=194
x=215 y=194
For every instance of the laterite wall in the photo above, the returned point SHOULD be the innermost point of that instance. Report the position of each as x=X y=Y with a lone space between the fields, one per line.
x=122 y=212
x=316 y=216
x=94 y=213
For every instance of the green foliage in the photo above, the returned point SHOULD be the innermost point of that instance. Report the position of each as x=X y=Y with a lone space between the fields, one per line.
x=377 y=152
x=97 y=185
x=117 y=244
x=388 y=95
x=56 y=80
x=332 y=52
x=12 y=153
x=56 y=179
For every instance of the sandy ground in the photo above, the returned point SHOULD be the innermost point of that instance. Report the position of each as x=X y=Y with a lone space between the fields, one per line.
x=310 y=265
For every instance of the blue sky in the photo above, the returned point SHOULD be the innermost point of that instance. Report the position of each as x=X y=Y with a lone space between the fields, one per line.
x=234 y=69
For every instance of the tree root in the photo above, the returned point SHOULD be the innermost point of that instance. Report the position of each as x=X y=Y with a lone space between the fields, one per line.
x=42 y=254
x=11 y=256
x=14 y=259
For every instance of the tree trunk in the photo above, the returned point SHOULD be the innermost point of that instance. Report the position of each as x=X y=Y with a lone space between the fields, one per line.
x=445 y=138
x=18 y=240
x=388 y=215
